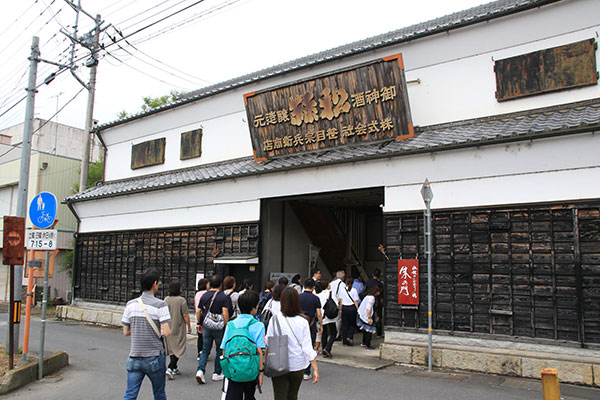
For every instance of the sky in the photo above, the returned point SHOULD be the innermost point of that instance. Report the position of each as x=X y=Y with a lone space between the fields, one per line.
x=209 y=42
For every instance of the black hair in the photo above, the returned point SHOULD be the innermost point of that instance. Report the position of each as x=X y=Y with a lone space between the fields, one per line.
x=322 y=284
x=202 y=284
x=277 y=291
x=315 y=271
x=149 y=276
x=309 y=283
x=247 y=283
x=247 y=301
x=296 y=279
x=283 y=281
x=269 y=285
x=377 y=273
x=216 y=281
x=174 y=288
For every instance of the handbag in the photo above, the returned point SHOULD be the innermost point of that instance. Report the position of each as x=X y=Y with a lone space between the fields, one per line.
x=277 y=361
x=213 y=321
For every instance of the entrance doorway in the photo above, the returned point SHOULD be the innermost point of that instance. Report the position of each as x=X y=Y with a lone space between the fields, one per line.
x=345 y=228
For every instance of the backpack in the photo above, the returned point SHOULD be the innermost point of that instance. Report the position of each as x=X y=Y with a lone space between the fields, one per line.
x=265 y=315
x=330 y=308
x=264 y=299
x=240 y=362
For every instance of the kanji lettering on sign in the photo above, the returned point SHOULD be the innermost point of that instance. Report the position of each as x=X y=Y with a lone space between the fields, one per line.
x=408 y=282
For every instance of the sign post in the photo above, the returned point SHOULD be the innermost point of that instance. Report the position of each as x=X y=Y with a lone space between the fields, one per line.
x=42 y=212
x=427 y=195
x=13 y=254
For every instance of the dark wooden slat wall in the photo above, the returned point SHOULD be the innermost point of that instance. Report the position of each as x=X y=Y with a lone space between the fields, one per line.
x=519 y=271
x=109 y=264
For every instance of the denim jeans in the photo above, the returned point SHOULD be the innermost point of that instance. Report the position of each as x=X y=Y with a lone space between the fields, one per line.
x=154 y=368
x=208 y=335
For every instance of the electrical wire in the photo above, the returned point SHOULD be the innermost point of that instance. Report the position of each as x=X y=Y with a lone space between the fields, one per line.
x=18 y=18
x=47 y=121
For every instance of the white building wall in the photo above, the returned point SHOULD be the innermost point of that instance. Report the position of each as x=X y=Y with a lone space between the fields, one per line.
x=455 y=71
x=544 y=170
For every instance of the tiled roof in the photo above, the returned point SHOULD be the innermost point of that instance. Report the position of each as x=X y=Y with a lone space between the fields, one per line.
x=459 y=19
x=576 y=117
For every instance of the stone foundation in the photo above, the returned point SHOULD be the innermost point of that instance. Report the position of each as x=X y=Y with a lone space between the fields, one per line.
x=574 y=365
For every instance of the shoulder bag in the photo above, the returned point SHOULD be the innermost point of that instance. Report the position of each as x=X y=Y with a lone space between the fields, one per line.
x=213 y=321
x=277 y=361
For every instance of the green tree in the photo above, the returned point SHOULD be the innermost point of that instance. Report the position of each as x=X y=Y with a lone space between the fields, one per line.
x=154 y=102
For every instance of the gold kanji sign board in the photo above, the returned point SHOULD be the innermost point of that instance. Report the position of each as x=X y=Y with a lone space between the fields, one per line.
x=365 y=103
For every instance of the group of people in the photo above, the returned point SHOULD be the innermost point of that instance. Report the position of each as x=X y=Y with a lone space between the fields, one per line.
x=158 y=329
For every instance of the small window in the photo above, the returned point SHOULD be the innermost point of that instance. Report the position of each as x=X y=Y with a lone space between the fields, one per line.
x=559 y=68
x=191 y=144
x=148 y=153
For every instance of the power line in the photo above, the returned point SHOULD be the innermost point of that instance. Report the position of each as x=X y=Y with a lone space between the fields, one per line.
x=47 y=121
x=18 y=18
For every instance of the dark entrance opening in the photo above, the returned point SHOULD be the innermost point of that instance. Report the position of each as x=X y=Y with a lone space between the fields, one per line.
x=346 y=227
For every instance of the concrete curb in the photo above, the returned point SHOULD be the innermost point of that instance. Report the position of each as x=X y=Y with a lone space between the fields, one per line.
x=28 y=373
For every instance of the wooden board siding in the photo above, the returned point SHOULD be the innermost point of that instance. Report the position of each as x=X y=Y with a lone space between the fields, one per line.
x=559 y=68
x=109 y=264
x=368 y=102
x=521 y=272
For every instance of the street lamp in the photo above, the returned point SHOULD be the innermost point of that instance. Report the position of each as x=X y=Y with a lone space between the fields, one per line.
x=427 y=195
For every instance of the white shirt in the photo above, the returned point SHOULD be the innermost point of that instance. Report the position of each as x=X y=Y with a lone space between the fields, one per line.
x=274 y=306
x=347 y=296
x=300 y=351
x=368 y=302
x=333 y=286
x=323 y=296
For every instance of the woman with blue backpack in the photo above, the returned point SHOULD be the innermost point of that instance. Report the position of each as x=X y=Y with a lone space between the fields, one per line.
x=243 y=344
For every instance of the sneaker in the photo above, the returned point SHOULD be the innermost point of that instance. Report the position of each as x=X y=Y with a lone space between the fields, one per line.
x=307 y=377
x=170 y=374
x=370 y=348
x=327 y=354
x=217 y=377
x=200 y=377
x=176 y=371
x=363 y=345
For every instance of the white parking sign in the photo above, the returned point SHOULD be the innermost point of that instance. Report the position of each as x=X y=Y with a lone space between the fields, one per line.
x=42 y=239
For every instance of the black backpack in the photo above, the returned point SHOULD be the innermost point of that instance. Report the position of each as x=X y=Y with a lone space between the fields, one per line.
x=331 y=308
x=265 y=316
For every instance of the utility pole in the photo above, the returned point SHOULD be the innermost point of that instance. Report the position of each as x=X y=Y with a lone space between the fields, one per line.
x=24 y=173
x=93 y=64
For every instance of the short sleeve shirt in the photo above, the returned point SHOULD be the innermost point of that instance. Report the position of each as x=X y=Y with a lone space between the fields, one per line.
x=309 y=304
x=221 y=301
x=256 y=330
x=144 y=342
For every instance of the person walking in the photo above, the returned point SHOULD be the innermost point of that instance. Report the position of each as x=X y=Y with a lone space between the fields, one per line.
x=316 y=275
x=296 y=283
x=180 y=317
x=244 y=390
x=202 y=288
x=229 y=285
x=214 y=313
x=366 y=316
x=329 y=329
x=376 y=281
x=311 y=307
x=265 y=295
x=300 y=351
x=349 y=299
x=143 y=319
x=335 y=287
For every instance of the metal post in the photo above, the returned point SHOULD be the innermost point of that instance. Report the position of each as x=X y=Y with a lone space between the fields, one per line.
x=85 y=158
x=24 y=173
x=11 y=311
x=43 y=327
x=427 y=196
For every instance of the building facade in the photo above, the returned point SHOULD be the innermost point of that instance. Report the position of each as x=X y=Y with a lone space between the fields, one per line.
x=52 y=169
x=498 y=106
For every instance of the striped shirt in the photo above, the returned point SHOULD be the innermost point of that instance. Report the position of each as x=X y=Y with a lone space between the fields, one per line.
x=144 y=342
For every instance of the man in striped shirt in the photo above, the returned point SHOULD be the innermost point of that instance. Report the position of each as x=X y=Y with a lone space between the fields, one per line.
x=147 y=354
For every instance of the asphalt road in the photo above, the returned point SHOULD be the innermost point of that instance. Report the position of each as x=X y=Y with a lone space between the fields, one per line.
x=97 y=371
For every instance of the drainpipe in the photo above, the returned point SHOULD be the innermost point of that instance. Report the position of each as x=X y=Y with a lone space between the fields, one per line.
x=73 y=272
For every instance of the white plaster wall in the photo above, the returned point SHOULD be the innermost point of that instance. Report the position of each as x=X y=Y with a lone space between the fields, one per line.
x=455 y=70
x=544 y=170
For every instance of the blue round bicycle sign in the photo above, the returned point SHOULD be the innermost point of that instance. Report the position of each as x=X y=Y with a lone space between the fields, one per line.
x=42 y=210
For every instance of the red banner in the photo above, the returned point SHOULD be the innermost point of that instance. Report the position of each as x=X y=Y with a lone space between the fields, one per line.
x=408 y=281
